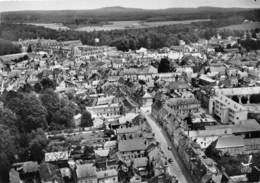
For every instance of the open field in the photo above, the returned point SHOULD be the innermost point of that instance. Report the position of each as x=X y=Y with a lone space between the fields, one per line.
x=133 y=25
x=119 y=25
x=55 y=26
x=244 y=26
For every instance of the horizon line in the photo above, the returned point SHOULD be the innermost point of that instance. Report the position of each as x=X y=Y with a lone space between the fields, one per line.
x=77 y=9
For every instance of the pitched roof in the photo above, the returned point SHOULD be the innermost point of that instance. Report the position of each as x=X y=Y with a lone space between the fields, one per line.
x=140 y=162
x=56 y=156
x=14 y=176
x=127 y=117
x=250 y=125
x=105 y=100
x=182 y=101
x=102 y=152
x=131 y=145
x=86 y=170
x=30 y=166
x=48 y=172
x=147 y=95
x=109 y=144
x=230 y=142
x=178 y=85
x=107 y=173
x=128 y=130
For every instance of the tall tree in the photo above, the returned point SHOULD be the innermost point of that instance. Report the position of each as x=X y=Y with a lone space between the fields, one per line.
x=86 y=119
x=7 y=152
x=37 y=144
x=63 y=118
x=8 y=118
x=164 y=65
x=32 y=113
x=48 y=83
x=29 y=49
x=51 y=102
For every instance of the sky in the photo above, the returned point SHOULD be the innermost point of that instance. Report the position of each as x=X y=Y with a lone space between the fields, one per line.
x=13 y=5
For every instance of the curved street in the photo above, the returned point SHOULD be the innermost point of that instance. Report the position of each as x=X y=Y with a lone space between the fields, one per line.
x=176 y=168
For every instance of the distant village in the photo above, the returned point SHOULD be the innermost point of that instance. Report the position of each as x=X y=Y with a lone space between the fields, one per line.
x=180 y=113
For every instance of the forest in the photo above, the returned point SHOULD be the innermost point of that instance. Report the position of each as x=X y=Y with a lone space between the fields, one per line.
x=97 y=16
x=24 y=117
x=151 y=38
x=7 y=47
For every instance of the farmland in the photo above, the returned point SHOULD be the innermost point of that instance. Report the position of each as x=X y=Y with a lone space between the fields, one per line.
x=243 y=26
x=133 y=25
x=115 y=25
x=54 y=26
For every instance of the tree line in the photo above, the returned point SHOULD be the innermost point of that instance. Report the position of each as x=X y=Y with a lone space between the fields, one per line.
x=24 y=117
x=151 y=38
x=7 y=47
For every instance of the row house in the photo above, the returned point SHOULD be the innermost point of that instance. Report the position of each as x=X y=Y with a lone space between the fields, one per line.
x=132 y=148
x=105 y=111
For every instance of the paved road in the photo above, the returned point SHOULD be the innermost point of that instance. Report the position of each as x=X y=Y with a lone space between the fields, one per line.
x=176 y=168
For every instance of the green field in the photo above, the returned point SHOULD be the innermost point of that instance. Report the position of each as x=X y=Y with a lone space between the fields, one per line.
x=243 y=26
x=54 y=26
x=134 y=25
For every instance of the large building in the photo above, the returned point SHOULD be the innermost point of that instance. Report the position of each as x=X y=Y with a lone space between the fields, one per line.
x=105 y=111
x=227 y=110
x=183 y=106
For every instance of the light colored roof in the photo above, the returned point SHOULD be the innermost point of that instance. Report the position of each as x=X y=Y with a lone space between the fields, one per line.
x=249 y=125
x=209 y=132
x=30 y=166
x=102 y=152
x=131 y=145
x=178 y=85
x=14 y=176
x=147 y=95
x=182 y=101
x=238 y=91
x=105 y=100
x=107 y=173
x=230 y=142
x=203 y=120
x=128 y=130
x=103 y=106
x=127 y=117
x=56 y=156
x=140 y=162
x=217 y=68
x=65 y=172
x=206 y=78
x=86 y=171
x=229 y=103
x=110 y=144
x=78 y=116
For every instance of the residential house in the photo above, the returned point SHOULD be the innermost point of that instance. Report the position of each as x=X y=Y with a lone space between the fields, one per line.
x=56 y=156
x=49 y=173
x=231 y=145
x=107 y=176
x=106 y=111
x=132 y=148
x=86 y=173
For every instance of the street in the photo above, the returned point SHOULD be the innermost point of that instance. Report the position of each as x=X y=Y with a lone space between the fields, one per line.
x=176 y=168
